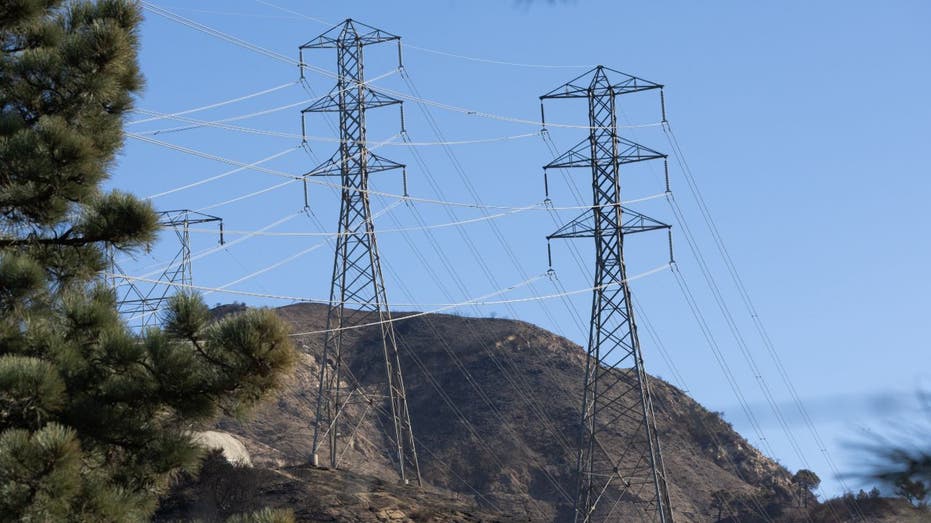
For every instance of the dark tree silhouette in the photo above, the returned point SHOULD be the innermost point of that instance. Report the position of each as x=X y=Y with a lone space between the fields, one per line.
x=805 y=482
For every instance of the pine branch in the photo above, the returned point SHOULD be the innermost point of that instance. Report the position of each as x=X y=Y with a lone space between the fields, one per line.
x=63 y=241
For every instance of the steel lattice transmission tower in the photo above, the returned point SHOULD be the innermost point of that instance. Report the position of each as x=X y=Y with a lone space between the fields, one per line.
x=357 y=277
x=616 y=398
x=141 y=306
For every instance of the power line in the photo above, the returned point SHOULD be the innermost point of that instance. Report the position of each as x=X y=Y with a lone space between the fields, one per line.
x=458 y=168
x=490 y=353
x=748 y=304
x=504 y=244
x=162 y=116
x=494 y=116
x=208 y=252
x=510 y=378
x=708 y=334
x=208 y=156
x=298 y=14
x=492 y=61
x=233 y=13
x=721 y=360
x=223 y=174
x=734 y=329
x=677 y=376
x=528 y=401
x=437 y=51
x=722 y=305
x=219 y=124
x=584 y=269
x=309 y=178
x=278 y=186
x=470 y=428
x=400 y=229
x=277 y=56
x=479 y=259
x=247 y=196
x=218 y=34
x=732 y=326
x=445 y=344
x=440 y=307
x=296 y=255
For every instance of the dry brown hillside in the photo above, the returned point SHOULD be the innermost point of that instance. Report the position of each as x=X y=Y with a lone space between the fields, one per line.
x=494 y=405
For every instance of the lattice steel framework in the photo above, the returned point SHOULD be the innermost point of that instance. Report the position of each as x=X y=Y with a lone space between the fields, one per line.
x=357 y=277
x=616 y=397
x=140 y=304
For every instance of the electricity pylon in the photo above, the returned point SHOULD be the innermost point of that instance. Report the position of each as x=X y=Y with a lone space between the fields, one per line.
x=357 y=277
x=141 y=307
x=616 y=397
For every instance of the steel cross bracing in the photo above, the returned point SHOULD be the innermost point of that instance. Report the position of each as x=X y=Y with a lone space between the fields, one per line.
x=357 y=275
x=140 y=306
x=619 y=461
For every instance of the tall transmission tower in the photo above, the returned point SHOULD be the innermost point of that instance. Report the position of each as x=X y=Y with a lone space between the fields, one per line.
x=141 y=306
x=616 y=397
x=357 y=276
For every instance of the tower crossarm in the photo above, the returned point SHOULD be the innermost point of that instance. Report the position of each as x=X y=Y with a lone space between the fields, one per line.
x=584 y=225
x=582 y=85
x=360 y=33
x=330 y=103
x=179 y=217
x=580 y=155
x=374 y=164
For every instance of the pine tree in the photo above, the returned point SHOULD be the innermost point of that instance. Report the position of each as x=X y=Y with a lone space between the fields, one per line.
x=94 y=421
x=901 y=461
x=915 y=491
x=805 y=482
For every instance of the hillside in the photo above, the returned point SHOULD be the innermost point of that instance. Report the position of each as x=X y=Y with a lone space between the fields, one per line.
x=312 y=494
x=517 y=386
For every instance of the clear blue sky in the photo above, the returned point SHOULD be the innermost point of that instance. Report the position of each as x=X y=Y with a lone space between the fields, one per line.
x=806 y=125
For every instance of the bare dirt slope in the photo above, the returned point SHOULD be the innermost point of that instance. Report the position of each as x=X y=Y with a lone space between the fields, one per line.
x=312 y=494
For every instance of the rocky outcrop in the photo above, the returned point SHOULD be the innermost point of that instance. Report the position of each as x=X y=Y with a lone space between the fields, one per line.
x=230 y=446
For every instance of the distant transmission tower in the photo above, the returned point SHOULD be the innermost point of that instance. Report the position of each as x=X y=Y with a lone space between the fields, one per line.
x=357 y=278
x=616 y=396
x=139 y=306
